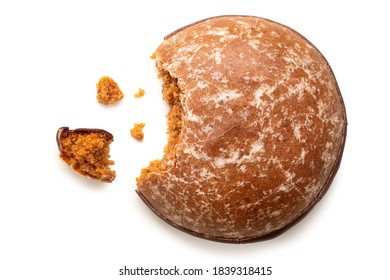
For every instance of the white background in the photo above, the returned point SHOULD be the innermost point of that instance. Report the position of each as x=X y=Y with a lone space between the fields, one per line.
x=55 y=224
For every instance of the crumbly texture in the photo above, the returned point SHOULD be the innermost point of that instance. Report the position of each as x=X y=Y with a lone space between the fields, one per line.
x=87 y=151
x=171 y=93
x=256 y=127
x=108 y=91
x=153 y=167
x=139 y=93
x=136 y=132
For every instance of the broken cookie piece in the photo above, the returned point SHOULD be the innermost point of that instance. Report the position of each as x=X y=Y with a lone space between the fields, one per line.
x=87 y=151
x=108 y=91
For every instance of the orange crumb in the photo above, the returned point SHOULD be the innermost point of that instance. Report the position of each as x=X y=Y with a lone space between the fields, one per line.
x=108 y=91
x=136 y=132
x=153 y=56
x=140 y=93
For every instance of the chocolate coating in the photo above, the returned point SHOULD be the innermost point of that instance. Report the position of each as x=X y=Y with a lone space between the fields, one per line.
x=64 y=130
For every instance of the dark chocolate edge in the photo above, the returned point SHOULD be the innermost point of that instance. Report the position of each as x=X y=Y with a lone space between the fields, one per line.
x=65 y=129
x=59 y=133
x=320 y=195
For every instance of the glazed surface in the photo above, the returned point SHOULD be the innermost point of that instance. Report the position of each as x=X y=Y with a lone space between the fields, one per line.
x=262 y=130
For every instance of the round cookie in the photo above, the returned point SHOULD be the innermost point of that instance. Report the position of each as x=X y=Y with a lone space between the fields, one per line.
x=257 y=129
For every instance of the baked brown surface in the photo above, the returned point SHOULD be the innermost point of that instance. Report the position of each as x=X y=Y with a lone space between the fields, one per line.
x=256 y=129
x=108 y=91
x=87 y=151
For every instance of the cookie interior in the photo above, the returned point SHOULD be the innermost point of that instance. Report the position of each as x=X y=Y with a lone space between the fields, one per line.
x=171 y=94
x=87 y=152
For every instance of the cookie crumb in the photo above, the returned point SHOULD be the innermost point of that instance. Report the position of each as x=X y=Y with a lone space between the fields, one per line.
x=108 y=91
x=140 y=93
x=136 y=132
